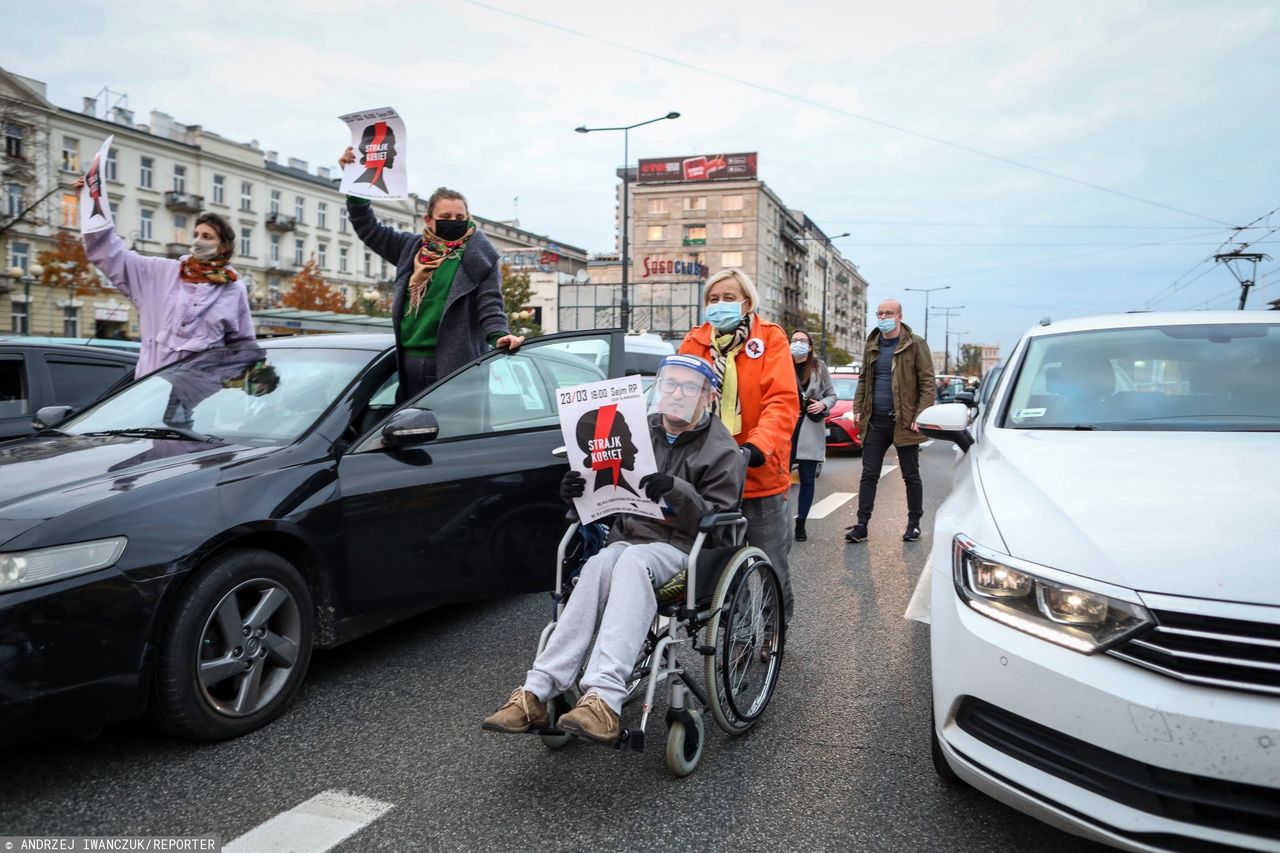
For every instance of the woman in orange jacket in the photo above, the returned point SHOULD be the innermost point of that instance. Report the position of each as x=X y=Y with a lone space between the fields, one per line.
x=758 y=399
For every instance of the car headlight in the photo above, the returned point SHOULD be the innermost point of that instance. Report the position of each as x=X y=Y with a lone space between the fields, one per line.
x=28 y=568
x=1085 y=616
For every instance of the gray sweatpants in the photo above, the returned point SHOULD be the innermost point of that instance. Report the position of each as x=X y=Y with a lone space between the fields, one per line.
x=614 y=595
x=769 y=529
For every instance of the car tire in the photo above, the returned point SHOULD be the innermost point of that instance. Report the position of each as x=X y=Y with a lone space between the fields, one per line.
x=236 y=648
x=940 y=765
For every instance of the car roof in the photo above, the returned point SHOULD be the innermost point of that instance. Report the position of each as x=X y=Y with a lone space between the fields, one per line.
x=331 y=340
x=70 y=349
x=95 y=343
x=1139 y=320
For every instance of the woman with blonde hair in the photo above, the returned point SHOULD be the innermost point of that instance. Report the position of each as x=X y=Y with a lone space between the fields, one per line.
x=752 y=359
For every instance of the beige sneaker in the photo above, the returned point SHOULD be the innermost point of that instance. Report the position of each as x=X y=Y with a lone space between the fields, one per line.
x=522 y=712
x=593 y=719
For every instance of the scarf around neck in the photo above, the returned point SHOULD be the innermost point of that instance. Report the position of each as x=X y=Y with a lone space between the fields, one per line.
x=215 y=271
x=724 y=349
x=433 y=253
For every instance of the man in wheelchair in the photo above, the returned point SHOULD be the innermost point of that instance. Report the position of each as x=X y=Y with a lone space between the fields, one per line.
x=699 y=472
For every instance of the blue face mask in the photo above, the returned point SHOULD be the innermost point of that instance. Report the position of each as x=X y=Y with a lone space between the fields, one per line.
x=724 y=315
x=886 y=325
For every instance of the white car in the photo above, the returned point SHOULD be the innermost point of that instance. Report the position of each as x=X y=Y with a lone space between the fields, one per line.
x=1105 y=601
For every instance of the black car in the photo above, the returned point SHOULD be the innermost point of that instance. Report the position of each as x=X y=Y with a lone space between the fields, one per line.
x=183 y=545
x=34 y=375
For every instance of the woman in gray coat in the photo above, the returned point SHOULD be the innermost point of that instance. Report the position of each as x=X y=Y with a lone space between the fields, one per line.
x=817 y=396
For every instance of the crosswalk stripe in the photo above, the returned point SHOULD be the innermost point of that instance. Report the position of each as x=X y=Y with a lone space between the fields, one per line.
x=884 y=472
x=830 y=504
x=317 y=825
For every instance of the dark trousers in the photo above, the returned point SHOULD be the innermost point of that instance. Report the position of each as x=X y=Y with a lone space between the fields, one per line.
x=878 y=441
x=419 y=375
x=808 y=478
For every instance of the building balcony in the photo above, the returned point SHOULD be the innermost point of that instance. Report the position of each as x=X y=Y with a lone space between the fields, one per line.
x=184 y=202
x=281 y=222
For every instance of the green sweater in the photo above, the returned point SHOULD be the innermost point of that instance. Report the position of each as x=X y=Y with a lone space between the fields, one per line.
x=418 y=332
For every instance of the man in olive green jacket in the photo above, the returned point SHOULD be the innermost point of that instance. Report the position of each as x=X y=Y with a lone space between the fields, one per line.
x=896 y=386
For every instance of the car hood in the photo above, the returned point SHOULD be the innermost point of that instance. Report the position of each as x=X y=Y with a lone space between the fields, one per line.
x=1182 y=513
x=840 y=407
x=50 y=476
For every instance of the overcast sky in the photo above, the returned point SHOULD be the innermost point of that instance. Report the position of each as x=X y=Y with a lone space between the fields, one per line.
x=911 y=127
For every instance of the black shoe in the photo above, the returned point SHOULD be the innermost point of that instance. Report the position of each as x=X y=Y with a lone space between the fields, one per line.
x=857 y=533
x=801 y=536
x=912 y=534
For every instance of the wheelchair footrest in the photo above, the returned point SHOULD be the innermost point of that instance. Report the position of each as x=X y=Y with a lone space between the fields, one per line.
x=631 y=740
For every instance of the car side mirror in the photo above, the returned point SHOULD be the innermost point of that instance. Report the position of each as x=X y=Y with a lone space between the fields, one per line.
x=47 y=416
x=408 y=427
x=947 y=422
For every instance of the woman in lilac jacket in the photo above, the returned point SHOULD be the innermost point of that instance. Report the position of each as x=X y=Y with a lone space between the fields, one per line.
x=186 y=305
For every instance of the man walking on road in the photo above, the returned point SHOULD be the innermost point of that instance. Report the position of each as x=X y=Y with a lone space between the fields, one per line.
x=897 y=384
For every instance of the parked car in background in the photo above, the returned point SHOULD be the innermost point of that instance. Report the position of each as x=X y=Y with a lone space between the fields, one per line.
x=182 y=546
x=842 y=433
x=34 y=375
x=1105 y=607
x=108 y=343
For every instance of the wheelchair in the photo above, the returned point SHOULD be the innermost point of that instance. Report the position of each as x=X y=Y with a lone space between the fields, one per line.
x=727 y=607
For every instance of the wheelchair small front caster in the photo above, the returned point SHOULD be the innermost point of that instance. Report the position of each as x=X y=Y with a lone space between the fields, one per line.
x=684 y=745
x=556 y=708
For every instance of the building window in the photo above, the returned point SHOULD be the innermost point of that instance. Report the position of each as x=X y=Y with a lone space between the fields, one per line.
x=219 y=189
x=322 y=256
x=343 y=218
x=297 y=253
x=13 y=200
x=368 y=265
x=731 y=202
x=70 y=210
x=695 y=235
x=273 y=290
x=730 y=259
x=274 y=207
x=18 y=324
x=342 y=259
x=695 y=202
x=732 y=231
x=655 y=233
x=20 y=256
x=657 y=205
x=109 y=168
x=246 y=195
x=322 y=214
x=179 y=179
x=299 y=208
x=13 y=141
x=70 y=154
x=70 y=321
x=179 y=228
x=246 y=242
x=145 y=167
x=275 y=248
x=144 y=224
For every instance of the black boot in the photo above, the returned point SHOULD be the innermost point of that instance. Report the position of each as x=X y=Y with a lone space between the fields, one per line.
x=800 y=534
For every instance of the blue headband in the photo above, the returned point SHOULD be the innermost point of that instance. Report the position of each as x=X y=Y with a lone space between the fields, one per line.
x=692 y=362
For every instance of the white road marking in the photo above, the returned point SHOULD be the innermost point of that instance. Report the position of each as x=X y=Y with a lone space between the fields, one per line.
x=315 y=826
x=884 y=472
x=830 y=504
x=928 y=443
x=918 y=607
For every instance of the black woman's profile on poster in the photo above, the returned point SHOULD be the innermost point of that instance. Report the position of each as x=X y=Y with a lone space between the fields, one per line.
x=606 y=439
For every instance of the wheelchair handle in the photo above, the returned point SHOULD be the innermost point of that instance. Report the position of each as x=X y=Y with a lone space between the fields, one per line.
x=712 y=520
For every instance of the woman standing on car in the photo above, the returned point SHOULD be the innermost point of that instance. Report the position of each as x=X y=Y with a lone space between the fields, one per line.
x=186 y=305
x=447 y=303
x=817 y=396
x=752 y=360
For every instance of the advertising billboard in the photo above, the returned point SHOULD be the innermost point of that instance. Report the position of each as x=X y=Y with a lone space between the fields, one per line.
x=702 y=167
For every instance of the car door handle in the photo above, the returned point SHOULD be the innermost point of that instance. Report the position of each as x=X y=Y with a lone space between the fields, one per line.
x=561 y=451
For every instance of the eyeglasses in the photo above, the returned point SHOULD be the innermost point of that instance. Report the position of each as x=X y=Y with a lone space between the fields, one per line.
x=687 y=389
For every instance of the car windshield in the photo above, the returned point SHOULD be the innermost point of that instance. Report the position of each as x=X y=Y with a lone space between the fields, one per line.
x=247 y=395
x=846 y=386
x=1210 y=377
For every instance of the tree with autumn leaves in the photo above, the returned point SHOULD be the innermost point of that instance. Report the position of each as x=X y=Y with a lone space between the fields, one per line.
x=65 y=267
x=308 y=291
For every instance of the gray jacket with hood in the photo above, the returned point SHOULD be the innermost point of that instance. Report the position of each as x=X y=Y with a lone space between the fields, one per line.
x=707 y=466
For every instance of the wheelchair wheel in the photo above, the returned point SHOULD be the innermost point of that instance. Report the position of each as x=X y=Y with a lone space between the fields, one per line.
x=684 y=746
x=747 y=635
x=556 y=708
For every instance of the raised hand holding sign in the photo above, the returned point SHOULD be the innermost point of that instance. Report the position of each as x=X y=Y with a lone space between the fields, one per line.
x=377 y=169
x=95 y=206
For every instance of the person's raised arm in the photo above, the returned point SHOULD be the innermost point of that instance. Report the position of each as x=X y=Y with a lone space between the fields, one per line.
x=130 y=272
x=383 y=240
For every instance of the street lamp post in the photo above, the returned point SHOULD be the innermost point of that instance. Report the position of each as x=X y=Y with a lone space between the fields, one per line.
x=625 y=305
x=946 y=344
x=926 y=291
x=959 y=354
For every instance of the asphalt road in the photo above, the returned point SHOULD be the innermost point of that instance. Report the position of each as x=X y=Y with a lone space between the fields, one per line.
x=840 y=760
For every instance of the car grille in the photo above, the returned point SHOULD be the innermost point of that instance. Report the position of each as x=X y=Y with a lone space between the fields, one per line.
x=1197 y=800
x=1212 y=650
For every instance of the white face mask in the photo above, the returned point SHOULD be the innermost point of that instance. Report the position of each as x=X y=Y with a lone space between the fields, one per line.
x=204 y=250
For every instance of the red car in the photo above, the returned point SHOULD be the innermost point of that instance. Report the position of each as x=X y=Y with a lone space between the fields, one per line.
x=842 y=434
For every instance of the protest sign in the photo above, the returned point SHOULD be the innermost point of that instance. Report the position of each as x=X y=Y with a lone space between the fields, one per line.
x=380 y=170
x=95 y=207
x=607 y=435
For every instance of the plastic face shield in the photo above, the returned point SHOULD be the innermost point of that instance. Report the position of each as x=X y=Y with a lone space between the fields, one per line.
x=683 y=395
